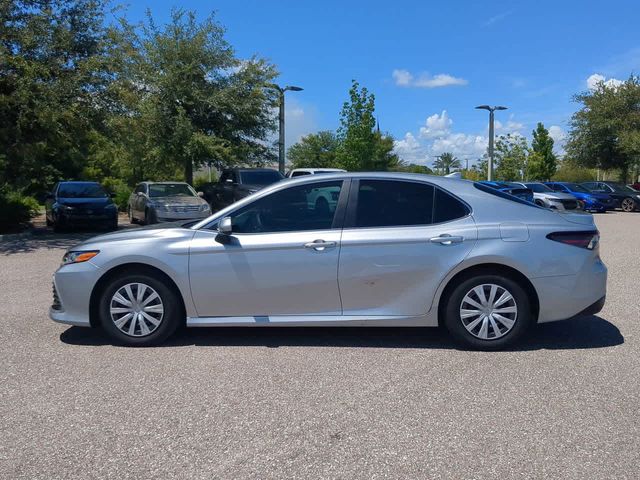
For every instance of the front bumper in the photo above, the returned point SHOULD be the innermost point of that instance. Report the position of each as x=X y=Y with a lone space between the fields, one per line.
x=73 y=285
x=168 y=216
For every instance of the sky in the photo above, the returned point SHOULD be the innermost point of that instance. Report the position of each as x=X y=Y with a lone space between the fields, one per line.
x=429 y=63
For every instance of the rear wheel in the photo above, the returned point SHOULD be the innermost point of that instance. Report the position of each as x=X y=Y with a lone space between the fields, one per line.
x=628 y=205
x=139 y=310
x=488 y=312
x=132 y=219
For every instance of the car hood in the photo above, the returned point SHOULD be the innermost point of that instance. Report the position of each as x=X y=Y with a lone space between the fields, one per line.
x=180 y=201
x=95 y=202
x=172 y=230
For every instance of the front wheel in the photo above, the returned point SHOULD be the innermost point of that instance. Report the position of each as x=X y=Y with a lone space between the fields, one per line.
x=628 y=205
x=488 y=312
x=139 y=310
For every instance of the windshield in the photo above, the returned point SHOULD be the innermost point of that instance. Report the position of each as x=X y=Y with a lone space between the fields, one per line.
x=260 y=177
x=538 y=187
x=171 y=190
x=81 y=190
x=574 y=187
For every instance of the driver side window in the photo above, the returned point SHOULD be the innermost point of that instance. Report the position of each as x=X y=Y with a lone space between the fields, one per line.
x=300 y=208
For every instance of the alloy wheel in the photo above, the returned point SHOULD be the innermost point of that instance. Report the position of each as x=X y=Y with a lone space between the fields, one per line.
x=628 y=205
x=488 y=311
x=136 y=309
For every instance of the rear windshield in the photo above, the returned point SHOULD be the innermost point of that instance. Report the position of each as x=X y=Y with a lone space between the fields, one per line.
x=81 y=190
x=263 y=177
x=504 y=195
x=171 y=190
x=622 y=188
x=538 y=187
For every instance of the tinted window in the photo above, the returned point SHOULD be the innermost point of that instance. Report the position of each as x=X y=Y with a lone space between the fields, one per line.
x=504 y=195
x=260 y=177
x=304 y=207
x=171 y=190
x=447 y=207
x=589 y=186
x=299 y=174
x=538 y=187
x=574 y=187
x=385 y=203
x=621 y=188
x=81 y=190
x=139 y=189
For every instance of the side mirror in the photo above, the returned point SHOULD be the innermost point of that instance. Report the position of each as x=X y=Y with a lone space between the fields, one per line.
x=200 y=194
x=224 y=226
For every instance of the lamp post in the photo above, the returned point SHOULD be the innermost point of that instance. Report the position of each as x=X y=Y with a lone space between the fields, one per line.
x=491 y=110
x=281 y=91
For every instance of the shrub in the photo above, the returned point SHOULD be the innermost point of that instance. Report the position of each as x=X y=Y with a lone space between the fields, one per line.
x=121 y=190
x=16 y=209
x=202 y=179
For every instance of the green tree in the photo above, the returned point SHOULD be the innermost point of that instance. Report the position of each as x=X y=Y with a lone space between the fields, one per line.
x=510 y=156
x=361 y=147
x=316 y=150
x=446 y=162
x=202 y=103
x=605 y=131
x=413 y=168
x=544 y=163
x=55 y=67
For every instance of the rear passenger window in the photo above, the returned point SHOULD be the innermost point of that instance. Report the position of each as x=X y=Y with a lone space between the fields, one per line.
x=299 y=174
x=448 y=208
x=386 y=203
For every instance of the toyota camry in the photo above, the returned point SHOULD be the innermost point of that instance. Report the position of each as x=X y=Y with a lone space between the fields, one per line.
x=392 y=250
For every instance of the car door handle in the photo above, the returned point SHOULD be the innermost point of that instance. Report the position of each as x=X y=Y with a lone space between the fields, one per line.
x=319 y=245
x=446 y=239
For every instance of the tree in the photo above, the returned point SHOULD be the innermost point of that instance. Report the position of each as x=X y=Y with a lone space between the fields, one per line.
x=361 y=147
x=446 y=162
x=413 y=168
x=544 y=163
x=510 y=157
x=605 y=131
x=316 y=150
x=203 y=103
x=55 y=67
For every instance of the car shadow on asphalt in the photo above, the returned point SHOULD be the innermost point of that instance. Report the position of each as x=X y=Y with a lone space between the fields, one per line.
x=585 y=333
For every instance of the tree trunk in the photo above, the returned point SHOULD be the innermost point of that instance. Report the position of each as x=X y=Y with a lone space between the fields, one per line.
x=188 y=172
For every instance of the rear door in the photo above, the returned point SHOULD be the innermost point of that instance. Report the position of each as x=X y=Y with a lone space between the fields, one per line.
x=400 y=239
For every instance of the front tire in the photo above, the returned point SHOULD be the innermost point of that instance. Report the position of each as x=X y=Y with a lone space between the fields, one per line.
x=488 y=312
x=628 y=205
x=139 y=310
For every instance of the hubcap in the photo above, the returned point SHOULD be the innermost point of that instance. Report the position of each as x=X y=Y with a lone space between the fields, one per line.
x=136 y=309
x=488 y=311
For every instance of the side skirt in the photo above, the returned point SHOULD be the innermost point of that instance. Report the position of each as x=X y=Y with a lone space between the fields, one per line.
x=315 y=321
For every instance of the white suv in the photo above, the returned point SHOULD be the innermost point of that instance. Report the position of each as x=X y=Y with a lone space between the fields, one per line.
x=298 y=172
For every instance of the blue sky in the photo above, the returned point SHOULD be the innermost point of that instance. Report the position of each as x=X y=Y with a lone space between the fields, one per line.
x=429 y=63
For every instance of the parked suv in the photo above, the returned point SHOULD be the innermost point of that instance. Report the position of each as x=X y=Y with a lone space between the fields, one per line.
x=73 y=204
x=545 y=197
x=153 y=202
x=237 y=183
x=626 y=197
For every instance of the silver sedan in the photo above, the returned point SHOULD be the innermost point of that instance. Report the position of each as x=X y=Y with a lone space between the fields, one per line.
x=154 y=202
x=393 y=250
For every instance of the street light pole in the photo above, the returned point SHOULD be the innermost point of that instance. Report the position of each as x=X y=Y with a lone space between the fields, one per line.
x=491 y=122
x=281 y=90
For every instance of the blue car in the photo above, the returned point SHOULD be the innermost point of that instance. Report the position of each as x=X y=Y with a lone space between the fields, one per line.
x=591 y=201
x=511 y=188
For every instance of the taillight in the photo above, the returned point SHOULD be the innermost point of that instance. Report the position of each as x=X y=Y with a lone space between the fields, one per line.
x=588 y=240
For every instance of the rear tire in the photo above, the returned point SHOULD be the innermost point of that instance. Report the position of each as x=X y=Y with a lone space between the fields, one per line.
x=500 y=322
x=132 y=220
x=164 y=307
x=628 y=205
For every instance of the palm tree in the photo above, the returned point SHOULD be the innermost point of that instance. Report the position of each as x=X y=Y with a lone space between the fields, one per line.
x=446 y=162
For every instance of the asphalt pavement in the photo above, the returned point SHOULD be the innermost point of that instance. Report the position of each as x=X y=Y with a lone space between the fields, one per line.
x=318 y=403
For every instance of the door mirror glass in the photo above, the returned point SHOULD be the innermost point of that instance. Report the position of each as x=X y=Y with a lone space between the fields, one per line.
x=224 y=226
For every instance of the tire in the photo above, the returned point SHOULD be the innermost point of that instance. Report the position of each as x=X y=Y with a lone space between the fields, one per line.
x=628 y=205
x=474 y=336
x=149 y=217
x=132 y=220
x=540 y=203
x=167 y=301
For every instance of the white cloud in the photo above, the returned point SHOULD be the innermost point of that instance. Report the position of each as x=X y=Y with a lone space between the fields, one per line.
x=596 y=79
x=299 y=121
x=510 y=127
x=462 y=145
x=410 y=149
x=436 y=125
x=557 y=133
x=404 y=78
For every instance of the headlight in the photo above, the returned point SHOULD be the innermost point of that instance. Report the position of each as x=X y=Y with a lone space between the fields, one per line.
x=79 y=256
x=204 y=208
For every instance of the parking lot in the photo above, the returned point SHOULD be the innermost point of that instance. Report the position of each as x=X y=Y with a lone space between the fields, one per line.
x=318 y=403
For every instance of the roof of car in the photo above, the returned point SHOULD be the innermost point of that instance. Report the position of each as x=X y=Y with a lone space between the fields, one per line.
x=79 y=182
x=164 y=183
x=318 y=170
x=249 y=169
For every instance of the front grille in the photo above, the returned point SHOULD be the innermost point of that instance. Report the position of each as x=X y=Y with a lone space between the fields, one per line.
x=185 y=209
x=56 y=305
x=570 y=204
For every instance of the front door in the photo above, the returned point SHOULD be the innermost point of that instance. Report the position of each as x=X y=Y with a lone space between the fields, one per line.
x=280 y=259
x=399 y=241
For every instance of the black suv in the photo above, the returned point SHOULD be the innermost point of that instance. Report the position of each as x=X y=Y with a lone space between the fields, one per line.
x=72 y=204
x=237 y=183
x=626 y=197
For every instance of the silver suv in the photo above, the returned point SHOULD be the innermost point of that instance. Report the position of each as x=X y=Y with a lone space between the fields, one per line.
x=545 y=197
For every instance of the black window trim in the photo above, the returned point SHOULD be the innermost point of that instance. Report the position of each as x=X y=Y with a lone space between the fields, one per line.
x=338 y=217
x=352 y=208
